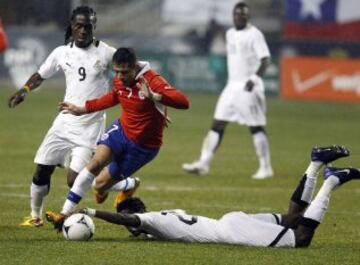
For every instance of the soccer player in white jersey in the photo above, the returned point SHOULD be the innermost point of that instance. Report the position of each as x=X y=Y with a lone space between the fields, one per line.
x=85 y=62
x=243 y=98
x=293 y=229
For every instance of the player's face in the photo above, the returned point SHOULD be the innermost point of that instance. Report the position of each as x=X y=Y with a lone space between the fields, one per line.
x=82 y=31
x=241 y=17
x=125 y=73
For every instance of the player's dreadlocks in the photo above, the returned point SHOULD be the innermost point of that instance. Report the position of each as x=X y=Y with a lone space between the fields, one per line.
x=83 y=10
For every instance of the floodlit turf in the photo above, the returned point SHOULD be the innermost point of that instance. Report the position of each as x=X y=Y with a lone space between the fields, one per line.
x=294 y=127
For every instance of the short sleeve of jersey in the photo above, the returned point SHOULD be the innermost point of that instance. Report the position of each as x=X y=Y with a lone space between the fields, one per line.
x=260 y=46
x=145 y=219
x=109 y=53
x=51 y=64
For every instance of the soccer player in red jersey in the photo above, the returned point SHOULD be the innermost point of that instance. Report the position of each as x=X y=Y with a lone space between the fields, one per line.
x=133 y=140
x=4 y=43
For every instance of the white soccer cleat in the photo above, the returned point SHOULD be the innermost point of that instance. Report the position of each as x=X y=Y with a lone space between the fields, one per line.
x=263 y=173
x=196 y=168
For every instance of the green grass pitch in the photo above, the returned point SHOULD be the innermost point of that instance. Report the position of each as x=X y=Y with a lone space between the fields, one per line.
x=294 y=127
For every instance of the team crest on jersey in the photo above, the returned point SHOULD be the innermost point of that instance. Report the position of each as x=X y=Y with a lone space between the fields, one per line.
x=141 y=95
x=98 y=66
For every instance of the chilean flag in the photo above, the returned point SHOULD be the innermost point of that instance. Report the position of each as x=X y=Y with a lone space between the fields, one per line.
x=337 y=20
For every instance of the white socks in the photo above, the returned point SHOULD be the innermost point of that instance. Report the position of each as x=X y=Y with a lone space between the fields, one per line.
x=123 y=185
x=260 y=141
x=209 y=146
x=262 y=149
x=37 y=194
x=319 y=205
x=310 y=183
x=81 y=186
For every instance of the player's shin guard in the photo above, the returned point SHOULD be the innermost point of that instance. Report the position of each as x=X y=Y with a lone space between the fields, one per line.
x=123 y=185
x=81 y=185
x=262 y=148
x=320 y=204
x=37 y=193
x=305 y=190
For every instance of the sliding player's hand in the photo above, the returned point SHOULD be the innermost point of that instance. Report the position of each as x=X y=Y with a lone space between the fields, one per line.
x=67 y=107
x=82 y=210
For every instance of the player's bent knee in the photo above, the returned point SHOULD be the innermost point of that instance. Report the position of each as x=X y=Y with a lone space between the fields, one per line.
x=95 y=166
x=218 y=126
x=43 y=174
x=256 y=129
x=303 y=240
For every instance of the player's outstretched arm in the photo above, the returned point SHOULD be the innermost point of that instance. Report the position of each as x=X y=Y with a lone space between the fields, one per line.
x=159 y=90
x=115 y=218
x=73 y=109
x=19 y=96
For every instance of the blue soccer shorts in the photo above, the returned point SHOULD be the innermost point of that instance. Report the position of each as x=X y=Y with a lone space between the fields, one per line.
x=128 y=157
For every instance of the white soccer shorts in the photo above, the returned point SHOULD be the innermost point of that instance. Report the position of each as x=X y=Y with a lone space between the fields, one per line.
x=240 y=106
x=243 y=229
x=64 y=139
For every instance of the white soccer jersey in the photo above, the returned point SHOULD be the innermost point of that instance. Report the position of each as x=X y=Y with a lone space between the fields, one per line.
x=244 y=48
x=233 y=228
x=177 y=225
x=86 y=72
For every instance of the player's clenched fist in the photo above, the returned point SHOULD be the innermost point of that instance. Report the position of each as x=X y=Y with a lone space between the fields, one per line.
x=17 y=98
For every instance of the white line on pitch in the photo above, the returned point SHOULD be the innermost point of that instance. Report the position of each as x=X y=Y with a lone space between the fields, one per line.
x=192 y=189
x=246 y=208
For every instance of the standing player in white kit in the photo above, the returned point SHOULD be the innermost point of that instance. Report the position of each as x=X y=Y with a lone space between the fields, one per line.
x=85 y=62
x=293 y=229
x=243 y=99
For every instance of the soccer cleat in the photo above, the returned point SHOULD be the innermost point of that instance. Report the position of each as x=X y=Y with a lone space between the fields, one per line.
x=123 y=195
x=263 y=174
x=196 y=168
x=30 y=221
x=343 y=174
x=100 y=198
x=329 y=154
x=57 y=219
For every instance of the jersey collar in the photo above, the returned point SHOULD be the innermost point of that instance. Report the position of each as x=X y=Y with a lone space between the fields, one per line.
x=145 y=66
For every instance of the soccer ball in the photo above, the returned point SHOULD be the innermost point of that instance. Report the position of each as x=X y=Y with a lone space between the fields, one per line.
x=78 y=227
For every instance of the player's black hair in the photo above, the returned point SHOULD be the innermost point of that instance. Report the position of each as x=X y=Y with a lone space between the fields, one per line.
x=83 y=10
x=241 y=5
x=132 y=205
x=125 y=55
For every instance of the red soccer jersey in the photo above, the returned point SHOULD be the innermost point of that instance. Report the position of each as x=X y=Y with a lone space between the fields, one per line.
x=142 y=119
x=3 y=38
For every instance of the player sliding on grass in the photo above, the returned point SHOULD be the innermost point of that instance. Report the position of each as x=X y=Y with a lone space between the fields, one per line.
x=293 y=229
x=133 y=140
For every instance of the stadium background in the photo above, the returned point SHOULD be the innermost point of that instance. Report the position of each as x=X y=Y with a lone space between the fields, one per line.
x=180 y=41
